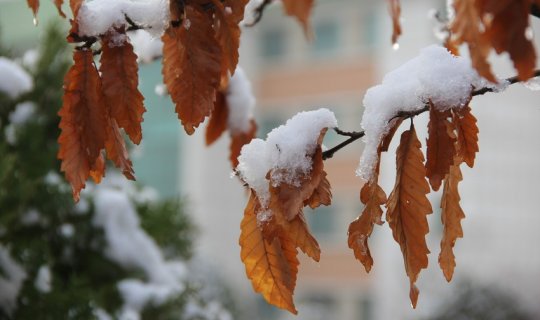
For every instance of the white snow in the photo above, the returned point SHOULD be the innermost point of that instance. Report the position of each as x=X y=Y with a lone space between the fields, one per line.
x=435 y=75
x=43 y=279
x=532 y=84
x=241 y=102
x=31 y=217
x=146 y=46
x=286 y=153
x=11 y=284
x=131 y=247
x=67 y=230
x=96 y=17
x=14 y=80
x=22 y=113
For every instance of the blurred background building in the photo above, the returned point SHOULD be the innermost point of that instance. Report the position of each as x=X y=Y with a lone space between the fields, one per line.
x=351 y=51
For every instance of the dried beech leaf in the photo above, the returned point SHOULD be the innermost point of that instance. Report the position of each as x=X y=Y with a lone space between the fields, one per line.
x=98 y=169
x=237 y=9
x=300 y=235
x=238 y=140
x=120 y=87
x=506 y=30
x=58 y=4
x=116 y=150
x=467 y=135
x=217 y=123
x=322 y=195
x=451 y=216
x=271 y=266
x=467 y=28
x=301 y=9
x=228 y=36
x=287 y=199
x=82 y=121
x=34 y=5
x=387 y=139
x=191 y=67
x=395 y=12
x=440 y=146
x=408 y=207
x=373 y=197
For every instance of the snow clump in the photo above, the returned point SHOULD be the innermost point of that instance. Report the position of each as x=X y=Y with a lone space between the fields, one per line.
x=14 y=80
x=286 y=152
x=435 y=75
x=12 y=276
x=241 y=102
x=96 y=17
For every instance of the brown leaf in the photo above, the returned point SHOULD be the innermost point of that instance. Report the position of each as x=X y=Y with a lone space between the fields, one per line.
x=408 y=207
x=217 y=123
x=228 y=36
x=237 y=8
x=98 y=169
x=395 y=12
x=271 y=266
x=297 y=230
x=82 y=121
x=467 y=134
x=301 y=9
x=507 y=32
x=451 y=216
x=440 y=146
x=322 y=195
x=467 y=28
x=287 y=199
x=120 y=86
x=116 y=150
x=58 y=4
x=238 y=140
x=191 y=67
x=34 y=5
x=373 y=197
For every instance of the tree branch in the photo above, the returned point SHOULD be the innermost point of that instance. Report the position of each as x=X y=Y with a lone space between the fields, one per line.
x=259 y=12
x=355 y=135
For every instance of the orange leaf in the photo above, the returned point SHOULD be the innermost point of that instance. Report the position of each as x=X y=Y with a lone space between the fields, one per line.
x=217 y=123
x=191 y=67
x=120 y=86
x=299 y=234
x=466 y=28
x=228 y=36
x=238 y=140
x=58 y=4
x=271 y=266
x=322 y=195
x=301 y=9
x=82 y=121
x=467 y=134
x=408 y=206
x=451 y=216
x=507 y=32
x=237 y=8
x=116 y=149
x=440 y=146
x=373 y=197
x=34 y=5
x=395 y=12
x=287 y=199
x=98 y=170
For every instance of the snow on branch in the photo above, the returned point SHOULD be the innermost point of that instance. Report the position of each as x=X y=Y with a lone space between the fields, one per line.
x=285 y=155
x=435 y=76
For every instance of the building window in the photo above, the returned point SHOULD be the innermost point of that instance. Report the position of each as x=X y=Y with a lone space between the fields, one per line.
x=326 y=38
x=273 y=44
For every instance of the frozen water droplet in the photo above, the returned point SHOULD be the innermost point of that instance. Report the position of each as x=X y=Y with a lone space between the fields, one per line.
x=187 y=24
x=395 y=46
x=533 y=84
x=529 y=33
x=35 y=21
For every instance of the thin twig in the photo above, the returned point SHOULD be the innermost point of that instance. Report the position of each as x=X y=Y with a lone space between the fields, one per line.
x=353 y=136
x=259 y=12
